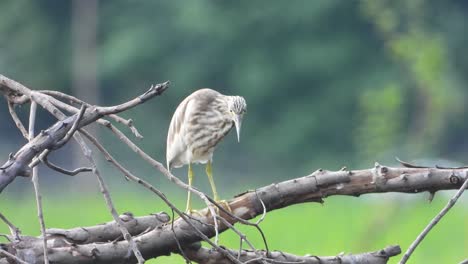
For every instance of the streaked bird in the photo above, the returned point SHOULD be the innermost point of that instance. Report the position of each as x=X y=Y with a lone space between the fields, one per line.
x=199 y=123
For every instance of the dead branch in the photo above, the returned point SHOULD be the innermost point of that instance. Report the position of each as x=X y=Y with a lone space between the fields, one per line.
x=433 y=222
x=12 y=257
x=44 y=101
x=35 y=182
x=18 y=123
x=203 y=255
x=76 y=101
x=105 y=192
x=54 y=167
x=87 y=245
x=311 y=188
x=17 y=165
x=184 y=216
x=109 y=231
x=14 y=231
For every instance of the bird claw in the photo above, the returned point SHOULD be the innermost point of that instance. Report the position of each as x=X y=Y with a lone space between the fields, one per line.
x=224 y=204
x=192 y=212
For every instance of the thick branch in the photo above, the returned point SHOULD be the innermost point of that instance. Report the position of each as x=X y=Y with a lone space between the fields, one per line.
x=110 y=231
x=311 y=188
x=204 y=255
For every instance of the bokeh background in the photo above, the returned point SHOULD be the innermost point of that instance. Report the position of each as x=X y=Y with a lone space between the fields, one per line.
x=328 y=84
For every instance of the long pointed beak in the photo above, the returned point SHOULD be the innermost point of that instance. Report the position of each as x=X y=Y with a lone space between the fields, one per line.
x=238 y=124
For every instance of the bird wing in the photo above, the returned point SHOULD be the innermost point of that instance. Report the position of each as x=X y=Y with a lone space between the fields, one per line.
x=176 y=148
x=175 y=142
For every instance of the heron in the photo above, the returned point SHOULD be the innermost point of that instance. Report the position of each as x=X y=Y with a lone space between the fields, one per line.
x=199 y=123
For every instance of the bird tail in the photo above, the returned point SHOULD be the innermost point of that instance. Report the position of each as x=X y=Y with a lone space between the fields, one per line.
x=168 y=164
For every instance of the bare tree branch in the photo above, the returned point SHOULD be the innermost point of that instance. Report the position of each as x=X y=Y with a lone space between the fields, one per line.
x=54 y=167
x=15 y=232
x=105 y=192
x=38 y=97
x=72 y=130
x=311 y=188
x=11 y=256
x=35 y=181
x=433 y=222
x=76 y=101
x=144 y=155
x=209 y=202
x=110 y=231
x=204 y=255
x=18 y=164
x=18 y=123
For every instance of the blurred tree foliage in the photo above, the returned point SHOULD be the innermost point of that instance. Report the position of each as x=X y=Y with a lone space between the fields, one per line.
x=327 y=82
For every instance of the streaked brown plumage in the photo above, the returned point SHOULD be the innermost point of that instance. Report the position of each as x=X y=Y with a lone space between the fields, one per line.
x=199 y=123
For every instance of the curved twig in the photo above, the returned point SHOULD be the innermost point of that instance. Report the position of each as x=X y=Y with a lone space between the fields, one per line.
x=147 y=185
x=15 y=232
x=73 y=99
x=72 y=130
x=54 y=167
x=434 y=221
x=105 y=192
x=35 y=181
x=18 y=123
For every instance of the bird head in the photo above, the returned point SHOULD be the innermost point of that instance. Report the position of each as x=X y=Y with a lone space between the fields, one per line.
x=237 y=108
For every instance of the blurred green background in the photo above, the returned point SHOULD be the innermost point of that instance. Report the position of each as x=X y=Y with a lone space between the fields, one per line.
x=328 y=83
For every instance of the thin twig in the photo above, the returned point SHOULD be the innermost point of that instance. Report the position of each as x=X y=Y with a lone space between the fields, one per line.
x=208 y=200
x=102 y=121
x=18 y=123
x=105 y=192
x=179 y=246
x=8 y=254
x=72 y=99
x=434 y=221
x=246 y=222
x=15 y=232
x=210 y=203
x=163 y=197
x=73 y=129
x=241 y=235
x=35 y=181
x=42 y=100
x=54 y=167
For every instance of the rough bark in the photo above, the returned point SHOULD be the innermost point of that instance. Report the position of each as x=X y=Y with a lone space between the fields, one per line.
x=207 y=256
x=17 y=164
x=311 y=188
x=109 y=231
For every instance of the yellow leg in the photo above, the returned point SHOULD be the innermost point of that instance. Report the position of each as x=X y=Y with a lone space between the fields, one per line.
x=188 y=209
x=210 y=178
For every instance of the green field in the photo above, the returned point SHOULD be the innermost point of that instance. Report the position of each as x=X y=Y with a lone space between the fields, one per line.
x=342 y=224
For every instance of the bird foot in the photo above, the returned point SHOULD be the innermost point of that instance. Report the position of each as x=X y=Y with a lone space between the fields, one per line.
x=224 y=204
x=193 y=212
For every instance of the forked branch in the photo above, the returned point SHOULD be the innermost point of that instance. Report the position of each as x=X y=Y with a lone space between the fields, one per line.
x=311 y=188
x=18 y=164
